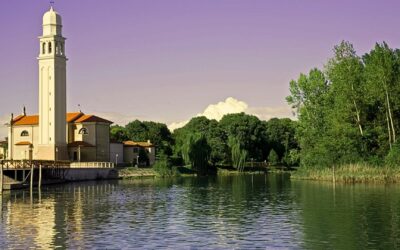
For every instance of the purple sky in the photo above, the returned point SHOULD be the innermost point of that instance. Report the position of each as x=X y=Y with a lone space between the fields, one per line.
x=167 y=60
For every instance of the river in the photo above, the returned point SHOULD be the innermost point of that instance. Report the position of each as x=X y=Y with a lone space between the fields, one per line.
x=225 y=212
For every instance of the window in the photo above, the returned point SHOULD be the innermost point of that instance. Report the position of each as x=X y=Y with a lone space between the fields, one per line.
x=44 y=48
x=83 y=131
x=135 y=150
x=24 y=133
x=57 y=48
x=49 y=47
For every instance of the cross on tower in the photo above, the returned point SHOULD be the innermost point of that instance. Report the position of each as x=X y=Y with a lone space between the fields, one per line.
x=51 y=2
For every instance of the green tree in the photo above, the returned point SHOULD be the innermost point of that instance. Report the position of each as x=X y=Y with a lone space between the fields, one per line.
x=345 y=72
x=280 y=134
x=118 y=133
x=196 y=152
x=382 y=77
x=163 y=167
x=238 y=154
x=273 y=157
x=215 y=136
x=157 y=133
x=310 y=98
x=249 y=130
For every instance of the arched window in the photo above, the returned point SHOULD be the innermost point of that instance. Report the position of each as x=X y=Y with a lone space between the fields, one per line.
x=24 y=133
x=44 y=48
x=83 y=131
x=57 y=49
x=49 y=47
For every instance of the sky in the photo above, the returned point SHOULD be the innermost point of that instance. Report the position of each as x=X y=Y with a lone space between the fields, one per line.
x=170 y=60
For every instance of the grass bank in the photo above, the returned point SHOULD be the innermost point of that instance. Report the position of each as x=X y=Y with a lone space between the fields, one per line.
x=354 y=173
x=133 y=172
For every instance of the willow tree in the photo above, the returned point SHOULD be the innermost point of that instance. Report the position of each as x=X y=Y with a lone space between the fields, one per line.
x=196 y=152
x=238 y=154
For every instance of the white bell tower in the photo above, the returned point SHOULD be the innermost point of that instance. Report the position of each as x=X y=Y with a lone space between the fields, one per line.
x=52 y=90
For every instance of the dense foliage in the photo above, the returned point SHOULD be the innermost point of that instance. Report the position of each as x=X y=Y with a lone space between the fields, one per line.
x=237 y=139
x=164 y=167
x=349 y=112
x=202 y=144
x=157 y=133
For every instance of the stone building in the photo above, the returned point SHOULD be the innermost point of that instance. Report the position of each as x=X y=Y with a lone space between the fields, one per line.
x=87 y=138
x=54 y=134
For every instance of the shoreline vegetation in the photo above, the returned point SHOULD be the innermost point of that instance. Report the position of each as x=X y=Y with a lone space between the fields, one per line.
x=348 y=116
x=154 y=172
x=352 y=173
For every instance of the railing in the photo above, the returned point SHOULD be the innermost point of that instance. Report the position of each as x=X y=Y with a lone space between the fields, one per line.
x=92 y=165
x=26 y=164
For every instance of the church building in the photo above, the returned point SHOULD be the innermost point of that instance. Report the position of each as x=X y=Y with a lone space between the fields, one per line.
x=54 y=134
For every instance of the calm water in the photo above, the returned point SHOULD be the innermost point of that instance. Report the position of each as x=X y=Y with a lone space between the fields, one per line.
x=242 y=212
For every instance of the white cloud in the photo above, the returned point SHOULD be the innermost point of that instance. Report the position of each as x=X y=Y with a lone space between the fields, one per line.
x=176 y=125
x=232 y=106
x=229 y=106
x=266 y=113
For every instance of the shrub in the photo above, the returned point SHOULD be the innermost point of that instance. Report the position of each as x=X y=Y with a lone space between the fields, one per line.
x=164 y=168
x=273 y=158
x=393 y=157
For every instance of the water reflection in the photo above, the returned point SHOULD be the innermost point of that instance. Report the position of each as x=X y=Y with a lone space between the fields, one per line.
x=349 y=216
x=251 y=211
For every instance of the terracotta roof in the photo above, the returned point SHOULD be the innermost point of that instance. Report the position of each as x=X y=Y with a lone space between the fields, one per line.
x=79 y=143
x=26 y=120
x=23 y=143
x=138 y=143
x=91 y=118
x=70 y=117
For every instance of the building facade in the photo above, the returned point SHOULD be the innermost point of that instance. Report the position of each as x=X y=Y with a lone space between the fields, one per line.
x=54 y=134
x=87 y=138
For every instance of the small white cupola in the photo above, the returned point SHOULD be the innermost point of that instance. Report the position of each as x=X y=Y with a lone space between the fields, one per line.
x=51 y=23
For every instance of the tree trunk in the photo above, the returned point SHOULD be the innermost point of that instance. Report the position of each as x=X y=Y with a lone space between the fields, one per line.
x=357 y=112
x=389 y=132
x=390 y=116
x=358 y=118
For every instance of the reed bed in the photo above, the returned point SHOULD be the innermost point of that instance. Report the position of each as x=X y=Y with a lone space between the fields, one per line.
x=352 y=173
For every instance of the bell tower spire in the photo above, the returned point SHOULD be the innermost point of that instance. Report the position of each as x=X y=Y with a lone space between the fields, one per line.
x=52 y=89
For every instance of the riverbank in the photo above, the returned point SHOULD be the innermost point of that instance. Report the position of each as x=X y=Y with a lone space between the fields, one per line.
x=355 y=173
x=133 y=172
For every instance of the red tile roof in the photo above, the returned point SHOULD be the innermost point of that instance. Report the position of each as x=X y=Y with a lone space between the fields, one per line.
x=26 y=120
x=73 y=116
x=91 y=118
x=76 y=117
